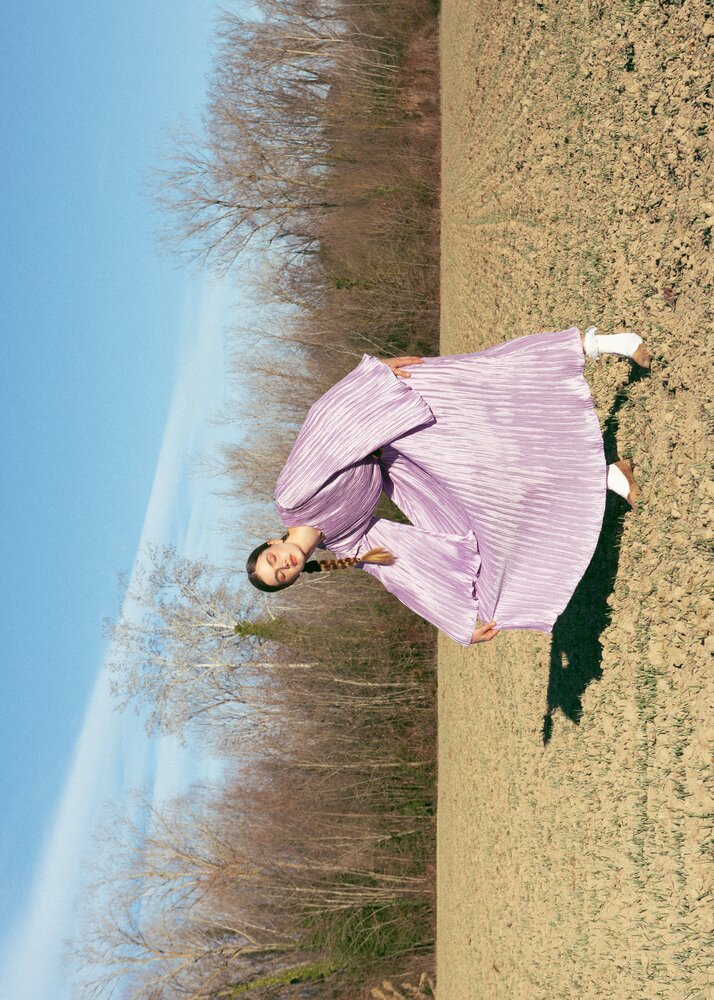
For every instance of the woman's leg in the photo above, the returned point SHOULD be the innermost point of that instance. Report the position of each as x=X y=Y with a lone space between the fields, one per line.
x=629 y=345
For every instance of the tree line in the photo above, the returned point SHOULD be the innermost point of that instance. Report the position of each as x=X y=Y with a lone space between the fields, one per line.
x=311 y=872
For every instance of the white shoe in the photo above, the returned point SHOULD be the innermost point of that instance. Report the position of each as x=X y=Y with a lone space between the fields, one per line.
x=628 y=345
x=634 y=493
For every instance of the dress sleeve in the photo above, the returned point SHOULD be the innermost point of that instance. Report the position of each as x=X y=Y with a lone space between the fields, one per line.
x=435 y=574
x=368 y=408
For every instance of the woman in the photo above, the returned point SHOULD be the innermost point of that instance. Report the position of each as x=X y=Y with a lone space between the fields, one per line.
x=496 y=458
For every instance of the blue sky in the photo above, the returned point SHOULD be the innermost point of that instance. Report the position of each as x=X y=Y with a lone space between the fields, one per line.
x=112 y=369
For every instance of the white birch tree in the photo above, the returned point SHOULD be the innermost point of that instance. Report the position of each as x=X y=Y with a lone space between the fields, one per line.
x=188 y=644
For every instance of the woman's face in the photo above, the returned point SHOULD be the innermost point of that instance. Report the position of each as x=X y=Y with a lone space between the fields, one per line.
x=281 y=562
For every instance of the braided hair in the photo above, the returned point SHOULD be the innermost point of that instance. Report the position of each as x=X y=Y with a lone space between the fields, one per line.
x=327 y=564
x=378 y=555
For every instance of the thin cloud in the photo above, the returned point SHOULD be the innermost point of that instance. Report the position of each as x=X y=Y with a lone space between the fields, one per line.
x=112 y=754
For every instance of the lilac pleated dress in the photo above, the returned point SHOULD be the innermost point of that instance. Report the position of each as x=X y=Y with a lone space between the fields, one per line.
x=496 y=457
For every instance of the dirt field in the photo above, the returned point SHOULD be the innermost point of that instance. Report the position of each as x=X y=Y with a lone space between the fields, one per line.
x=574 y=818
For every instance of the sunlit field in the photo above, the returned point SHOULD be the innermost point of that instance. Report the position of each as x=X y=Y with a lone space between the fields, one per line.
x=574 y=810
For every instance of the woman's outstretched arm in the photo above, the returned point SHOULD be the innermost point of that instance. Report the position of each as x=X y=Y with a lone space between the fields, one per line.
x=366 y=409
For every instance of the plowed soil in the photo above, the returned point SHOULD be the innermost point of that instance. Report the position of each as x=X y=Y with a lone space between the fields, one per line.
x=575 y=808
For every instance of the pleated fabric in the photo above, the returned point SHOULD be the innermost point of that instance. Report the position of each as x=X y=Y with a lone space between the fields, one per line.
x=517 y=441
x=496 y=458
x=359 y=414
x=331 y=479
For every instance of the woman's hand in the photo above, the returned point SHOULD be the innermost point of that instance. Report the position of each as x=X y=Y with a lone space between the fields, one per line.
x=484 y=633
x=396 y=363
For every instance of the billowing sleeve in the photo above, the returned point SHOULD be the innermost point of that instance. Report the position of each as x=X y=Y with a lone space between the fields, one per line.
x=368 y=408
x=435 y=574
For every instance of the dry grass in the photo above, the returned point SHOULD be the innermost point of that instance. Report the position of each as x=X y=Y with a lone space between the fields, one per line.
x=422 y=990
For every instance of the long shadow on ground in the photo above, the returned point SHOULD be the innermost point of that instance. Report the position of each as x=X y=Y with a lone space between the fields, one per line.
x=576 y=650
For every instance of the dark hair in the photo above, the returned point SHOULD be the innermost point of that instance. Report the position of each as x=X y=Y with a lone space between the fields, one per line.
x=374 y=555
x=255 y=579
x=250 y=569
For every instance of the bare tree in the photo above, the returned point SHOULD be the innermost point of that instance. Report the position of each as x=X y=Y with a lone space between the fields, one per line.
x=216 y=892
x=321 y=152
x=179 y=908
x=187 y=644
x=284 y=87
